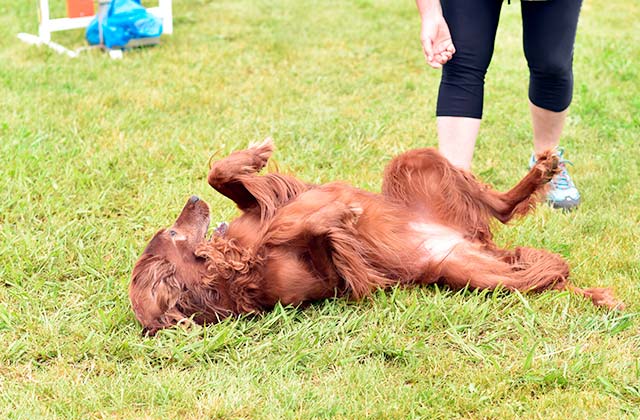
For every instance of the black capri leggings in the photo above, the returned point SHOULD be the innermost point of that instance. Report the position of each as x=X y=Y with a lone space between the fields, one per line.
x=549 y=31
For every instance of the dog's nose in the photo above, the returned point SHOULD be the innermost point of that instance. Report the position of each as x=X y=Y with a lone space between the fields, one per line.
x=194 y=199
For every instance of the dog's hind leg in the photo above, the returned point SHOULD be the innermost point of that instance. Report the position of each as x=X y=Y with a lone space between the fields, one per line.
x=429 y=184
x=463 y=263
x=523 y=197
x=525 y=269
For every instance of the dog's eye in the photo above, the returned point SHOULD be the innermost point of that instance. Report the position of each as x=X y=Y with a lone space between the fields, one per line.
x=172 y=233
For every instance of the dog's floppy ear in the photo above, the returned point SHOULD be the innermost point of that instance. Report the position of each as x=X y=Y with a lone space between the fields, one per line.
x=154 y=291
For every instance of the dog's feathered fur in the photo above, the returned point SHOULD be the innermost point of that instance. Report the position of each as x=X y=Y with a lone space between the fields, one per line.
x=296 y=243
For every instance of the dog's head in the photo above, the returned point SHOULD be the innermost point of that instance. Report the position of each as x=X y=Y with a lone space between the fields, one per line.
x=167 y=266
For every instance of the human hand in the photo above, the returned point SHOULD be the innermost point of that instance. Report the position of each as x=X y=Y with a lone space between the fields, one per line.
x=436 y=41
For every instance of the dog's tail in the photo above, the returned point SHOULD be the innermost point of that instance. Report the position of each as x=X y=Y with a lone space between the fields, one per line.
x=534 y=262
x=600 y=296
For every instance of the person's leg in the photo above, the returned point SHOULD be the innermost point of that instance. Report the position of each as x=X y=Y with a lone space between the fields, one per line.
x=473 y=26
x=549 y=30
x=457 y=139
x=547 y=128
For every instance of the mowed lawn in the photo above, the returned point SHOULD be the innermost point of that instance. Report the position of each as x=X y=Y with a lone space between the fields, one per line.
x=97 y=154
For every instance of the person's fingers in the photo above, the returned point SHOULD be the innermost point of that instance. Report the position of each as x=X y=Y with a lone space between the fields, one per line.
x=433 y=59
x=445 y=46
x=443 y=57
x=451 y=48
x=436 y=50
x=427 y=47
x=435 y=64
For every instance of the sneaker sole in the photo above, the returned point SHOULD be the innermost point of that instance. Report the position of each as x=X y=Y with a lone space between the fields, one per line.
x=566 y=205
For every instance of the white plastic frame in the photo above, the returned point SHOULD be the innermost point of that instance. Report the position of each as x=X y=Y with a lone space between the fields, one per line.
x=47 y=25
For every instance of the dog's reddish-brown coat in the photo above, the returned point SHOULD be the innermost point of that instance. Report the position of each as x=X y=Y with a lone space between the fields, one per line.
x=296 y=243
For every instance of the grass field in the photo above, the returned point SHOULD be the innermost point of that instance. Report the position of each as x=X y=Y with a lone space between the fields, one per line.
x=96 y=155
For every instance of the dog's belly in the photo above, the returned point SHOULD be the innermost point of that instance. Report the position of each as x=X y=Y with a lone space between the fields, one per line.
x=437 y=241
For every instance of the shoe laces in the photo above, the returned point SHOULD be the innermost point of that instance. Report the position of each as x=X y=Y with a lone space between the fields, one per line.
x=562 y=181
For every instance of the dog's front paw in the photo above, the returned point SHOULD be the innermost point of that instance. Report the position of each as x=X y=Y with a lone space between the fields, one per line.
x=355 y=211
x=548 y=165
x=335 y=215
x=262 y=151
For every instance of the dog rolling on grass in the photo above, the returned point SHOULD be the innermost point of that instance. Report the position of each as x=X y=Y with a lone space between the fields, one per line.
x=296 y=243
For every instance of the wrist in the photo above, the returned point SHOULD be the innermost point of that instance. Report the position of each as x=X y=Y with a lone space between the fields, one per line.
x=429 y=10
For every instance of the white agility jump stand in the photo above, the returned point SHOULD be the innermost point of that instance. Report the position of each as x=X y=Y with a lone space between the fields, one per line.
x=47 y=25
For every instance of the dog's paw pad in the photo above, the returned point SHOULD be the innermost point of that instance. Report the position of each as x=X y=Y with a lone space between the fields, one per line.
x=265 y=146
x=548 y=164
x=353 y=212
x=356 y=210
x=246 y=169
x=262 y=152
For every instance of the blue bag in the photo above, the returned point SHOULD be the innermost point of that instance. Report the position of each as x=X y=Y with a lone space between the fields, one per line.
x=125 y=20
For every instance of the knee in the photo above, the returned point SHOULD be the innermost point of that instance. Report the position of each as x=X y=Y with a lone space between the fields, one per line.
x=556 y=69
x=551 y=83
x=461 y=90
x=459 y=73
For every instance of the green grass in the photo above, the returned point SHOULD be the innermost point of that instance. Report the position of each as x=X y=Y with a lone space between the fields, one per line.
x=95 y=155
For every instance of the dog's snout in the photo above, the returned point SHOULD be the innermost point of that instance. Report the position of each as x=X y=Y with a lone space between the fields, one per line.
x=194 y=199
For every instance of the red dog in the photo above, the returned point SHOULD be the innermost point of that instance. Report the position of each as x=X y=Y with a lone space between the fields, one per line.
x=296 y=243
